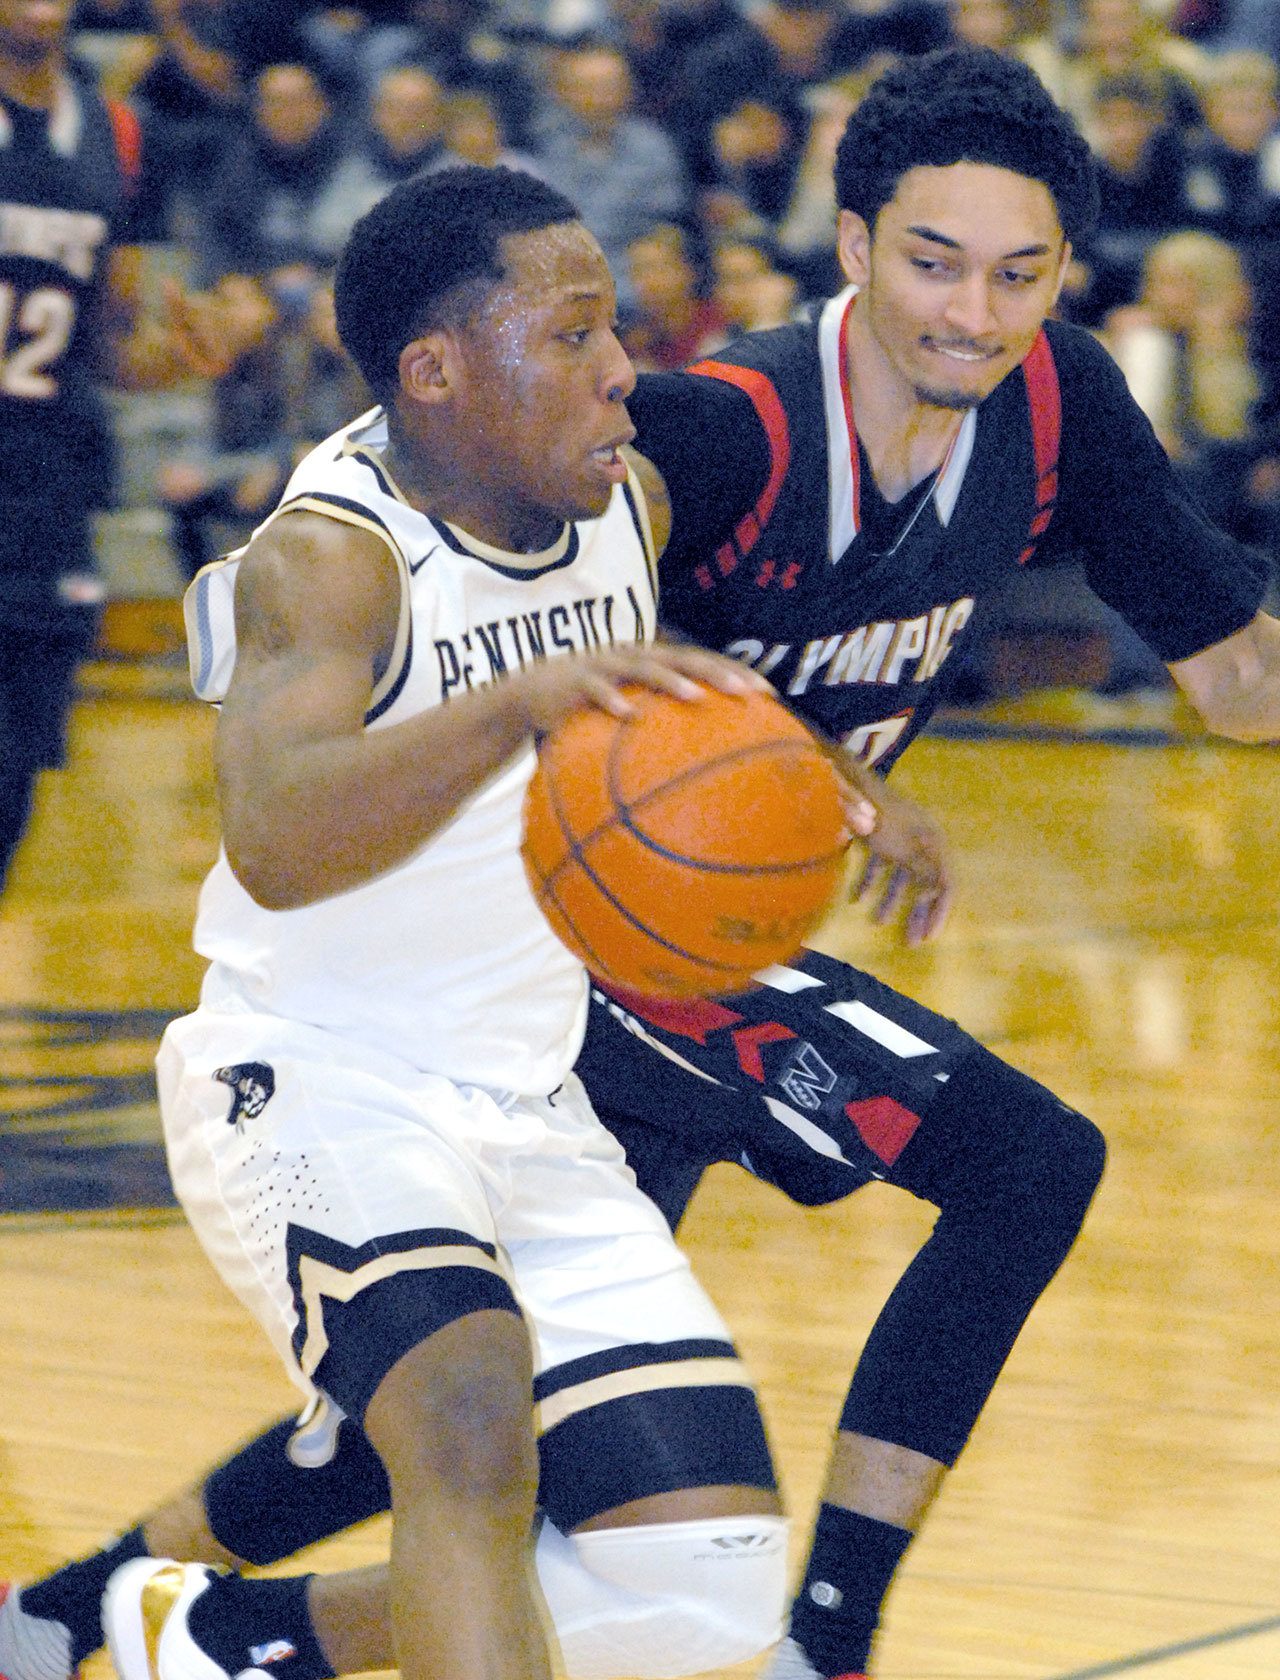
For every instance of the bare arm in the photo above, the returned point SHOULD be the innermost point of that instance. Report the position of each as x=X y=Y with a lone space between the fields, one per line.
x=1235 y=684
x=209 y=69
x=313 y=803
x=195 y=333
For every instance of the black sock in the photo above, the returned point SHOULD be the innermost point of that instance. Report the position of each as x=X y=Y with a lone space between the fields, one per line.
x=72 y=1595
x=259 y=1624
x=837 y=1609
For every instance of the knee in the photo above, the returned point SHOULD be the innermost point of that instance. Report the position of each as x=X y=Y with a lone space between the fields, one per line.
x=1023 y=1167
x=454 y=1418
x=666 y=1600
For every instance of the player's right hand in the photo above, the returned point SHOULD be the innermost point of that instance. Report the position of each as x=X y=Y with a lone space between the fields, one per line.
x=552 y=689
x=907 y=868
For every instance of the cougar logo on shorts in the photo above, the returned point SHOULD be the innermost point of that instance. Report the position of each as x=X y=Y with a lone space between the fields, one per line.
x=253 y=1085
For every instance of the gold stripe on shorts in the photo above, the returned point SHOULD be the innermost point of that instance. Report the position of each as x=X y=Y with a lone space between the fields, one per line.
x=638 y=1379
x=316 y=1279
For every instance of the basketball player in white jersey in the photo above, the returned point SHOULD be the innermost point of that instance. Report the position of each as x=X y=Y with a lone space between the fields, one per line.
x=371 y=1118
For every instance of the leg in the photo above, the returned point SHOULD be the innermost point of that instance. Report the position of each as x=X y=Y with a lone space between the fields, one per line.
x=38 y=659
x=852 y=1081
x=450 y=1422
x=350 y=1211
x=662 y=1552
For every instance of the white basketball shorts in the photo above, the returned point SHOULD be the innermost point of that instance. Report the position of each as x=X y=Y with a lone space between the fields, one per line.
x=355 y=1204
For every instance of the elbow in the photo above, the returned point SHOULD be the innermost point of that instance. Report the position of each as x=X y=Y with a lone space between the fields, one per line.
x=266 y=875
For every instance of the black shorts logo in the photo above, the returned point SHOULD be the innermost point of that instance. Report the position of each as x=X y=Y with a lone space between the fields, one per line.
x=253 y=1084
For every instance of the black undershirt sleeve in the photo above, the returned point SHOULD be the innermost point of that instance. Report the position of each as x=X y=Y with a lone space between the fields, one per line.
x=1179 y=581
x=706 y=440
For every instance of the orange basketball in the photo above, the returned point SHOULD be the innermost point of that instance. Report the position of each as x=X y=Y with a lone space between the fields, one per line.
x=679 y=850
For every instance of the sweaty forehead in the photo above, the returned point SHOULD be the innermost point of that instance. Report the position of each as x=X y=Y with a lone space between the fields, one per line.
x=555 y=263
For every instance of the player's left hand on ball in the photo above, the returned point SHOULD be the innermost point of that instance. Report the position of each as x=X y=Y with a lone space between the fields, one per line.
x=907 y=867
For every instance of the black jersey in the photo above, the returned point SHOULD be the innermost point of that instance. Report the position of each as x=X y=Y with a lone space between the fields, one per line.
x=62 y=204
x=783 y=555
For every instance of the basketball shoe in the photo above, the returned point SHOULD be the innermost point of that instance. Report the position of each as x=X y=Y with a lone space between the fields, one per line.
x=32 y=1647
x=145 y=1620
x=789 y=1662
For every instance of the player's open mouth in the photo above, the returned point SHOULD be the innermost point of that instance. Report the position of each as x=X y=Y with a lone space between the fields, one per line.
x=610 y=462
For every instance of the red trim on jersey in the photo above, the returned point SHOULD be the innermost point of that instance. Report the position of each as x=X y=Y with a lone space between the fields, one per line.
x=128 y=135
x=773 y=417
x=1044 y=399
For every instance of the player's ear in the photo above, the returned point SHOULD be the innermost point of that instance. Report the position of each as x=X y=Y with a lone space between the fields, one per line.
x=425 y=365
x=853 y=242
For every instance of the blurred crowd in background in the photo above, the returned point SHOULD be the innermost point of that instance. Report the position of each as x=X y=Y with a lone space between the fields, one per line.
x=697 y=137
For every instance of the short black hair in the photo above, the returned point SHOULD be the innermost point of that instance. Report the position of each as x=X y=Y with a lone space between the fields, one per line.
x=408 y=261
x=964 y=105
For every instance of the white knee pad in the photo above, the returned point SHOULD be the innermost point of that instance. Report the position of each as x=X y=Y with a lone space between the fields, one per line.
x=665 y=1599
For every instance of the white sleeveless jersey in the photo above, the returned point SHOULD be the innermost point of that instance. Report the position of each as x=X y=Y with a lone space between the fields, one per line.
x=445 y=960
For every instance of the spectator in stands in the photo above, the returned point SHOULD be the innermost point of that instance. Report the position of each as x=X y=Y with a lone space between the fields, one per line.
x=751 y=291
x=184 y=83
x=1140 y=172
x=807 y=228
x=999 y=24
x=667 y=47
x=756 y=149
x=1183 y=349
x=474 y=132
x=291 y=386
x=403 y=135
x=1232 y=181
x=621 y=171
x=675 y=322
x=787 y=46
x=1120 y=38
x=457 y=40
x=260 y=216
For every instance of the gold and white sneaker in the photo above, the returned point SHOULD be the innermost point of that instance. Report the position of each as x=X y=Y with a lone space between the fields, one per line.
x=144 y=1618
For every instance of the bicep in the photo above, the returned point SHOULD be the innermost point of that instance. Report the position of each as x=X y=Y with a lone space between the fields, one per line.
x=316 y=607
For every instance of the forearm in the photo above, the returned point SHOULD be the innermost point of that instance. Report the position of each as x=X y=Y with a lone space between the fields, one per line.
x=1235 y=685
x=153 y=356
x=311 y=818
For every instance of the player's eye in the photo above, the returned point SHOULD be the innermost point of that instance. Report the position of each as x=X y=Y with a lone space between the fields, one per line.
x=1017 y=277
x=930 y=265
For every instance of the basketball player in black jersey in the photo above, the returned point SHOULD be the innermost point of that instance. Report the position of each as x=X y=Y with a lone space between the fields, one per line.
x=846 y=497
x=68 y=281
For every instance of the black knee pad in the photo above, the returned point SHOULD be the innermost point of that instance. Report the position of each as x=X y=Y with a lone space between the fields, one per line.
x=1005 y=1159
x=263 y=1507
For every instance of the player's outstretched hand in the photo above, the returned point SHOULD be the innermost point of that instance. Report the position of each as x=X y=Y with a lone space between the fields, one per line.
x=556 y=687
x=907 y=867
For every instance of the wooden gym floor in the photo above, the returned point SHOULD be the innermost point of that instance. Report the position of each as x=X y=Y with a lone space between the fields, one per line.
x=1117 y=1512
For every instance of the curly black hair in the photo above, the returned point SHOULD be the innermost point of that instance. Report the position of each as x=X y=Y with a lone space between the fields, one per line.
x=971 y=105
x=415 y=259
